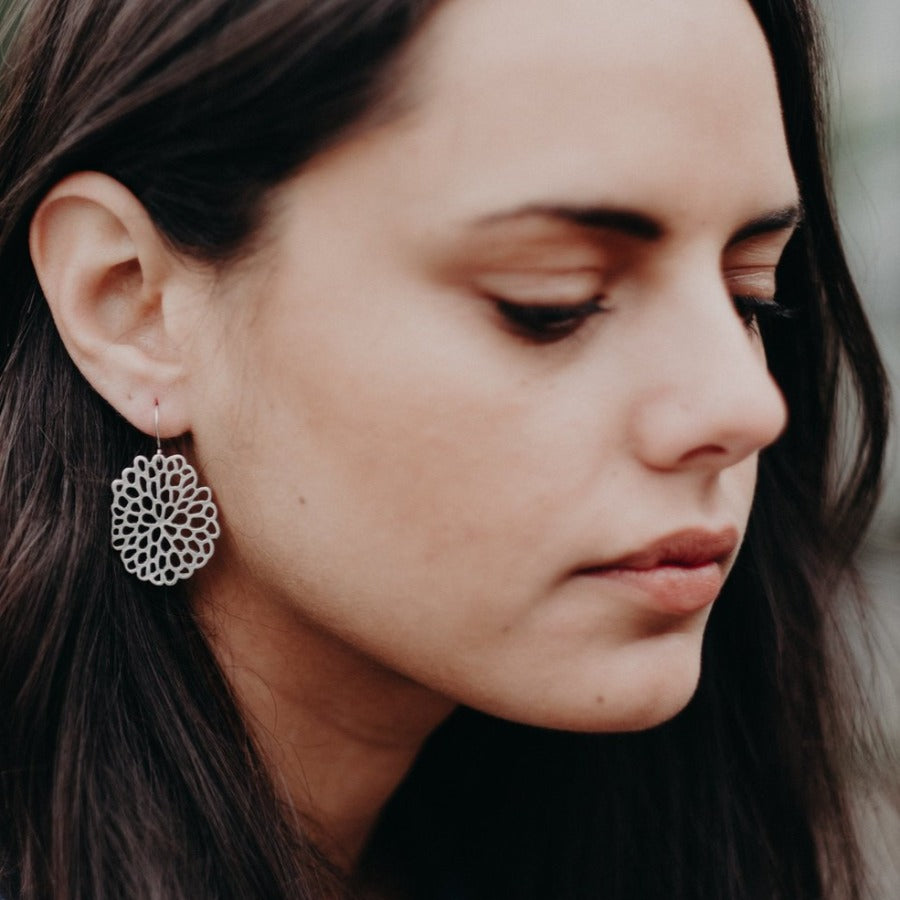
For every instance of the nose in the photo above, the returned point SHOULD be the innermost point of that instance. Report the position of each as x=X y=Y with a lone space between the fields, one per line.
x=707 y=397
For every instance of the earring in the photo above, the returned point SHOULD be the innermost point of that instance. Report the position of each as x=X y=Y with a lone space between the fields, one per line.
x=163 y=524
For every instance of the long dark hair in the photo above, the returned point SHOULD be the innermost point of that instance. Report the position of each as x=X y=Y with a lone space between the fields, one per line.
x=126 y=769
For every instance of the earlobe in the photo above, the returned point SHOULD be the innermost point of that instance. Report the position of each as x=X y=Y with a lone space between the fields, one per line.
x=105 y=272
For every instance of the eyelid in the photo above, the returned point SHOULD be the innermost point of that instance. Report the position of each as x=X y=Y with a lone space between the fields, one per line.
x=751 y=281
x=558 y=288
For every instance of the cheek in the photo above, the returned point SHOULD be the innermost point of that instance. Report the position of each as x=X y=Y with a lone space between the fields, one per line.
x=414 y=489
x=395 y=456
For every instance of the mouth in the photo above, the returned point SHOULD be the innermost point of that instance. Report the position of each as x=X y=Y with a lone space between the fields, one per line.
x=678 y=574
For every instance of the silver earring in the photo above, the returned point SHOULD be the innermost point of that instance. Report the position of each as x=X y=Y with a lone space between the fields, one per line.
x=163 y=524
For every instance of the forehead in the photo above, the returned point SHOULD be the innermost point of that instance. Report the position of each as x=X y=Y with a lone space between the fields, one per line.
x=619 y=100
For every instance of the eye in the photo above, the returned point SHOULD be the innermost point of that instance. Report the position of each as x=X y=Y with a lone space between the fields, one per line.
x=543 y=323
x=754 y=310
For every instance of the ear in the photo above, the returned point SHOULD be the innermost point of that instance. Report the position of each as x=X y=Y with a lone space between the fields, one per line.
x=107 y=275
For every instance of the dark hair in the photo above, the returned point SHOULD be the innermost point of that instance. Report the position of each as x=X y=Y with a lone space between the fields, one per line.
x=126 y=769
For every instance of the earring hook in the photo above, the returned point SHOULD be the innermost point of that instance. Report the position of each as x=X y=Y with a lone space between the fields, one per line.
x=156 y=425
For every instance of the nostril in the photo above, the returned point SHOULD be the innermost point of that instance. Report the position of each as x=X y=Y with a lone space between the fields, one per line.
x=707 y=450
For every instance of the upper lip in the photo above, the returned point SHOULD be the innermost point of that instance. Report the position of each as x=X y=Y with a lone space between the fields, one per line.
x=688 y=548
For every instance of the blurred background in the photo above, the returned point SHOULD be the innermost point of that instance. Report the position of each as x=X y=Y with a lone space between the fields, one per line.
x=864 y=37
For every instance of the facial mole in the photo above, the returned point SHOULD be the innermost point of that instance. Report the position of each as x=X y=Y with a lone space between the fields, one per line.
x=601 y=699
x=301 y=500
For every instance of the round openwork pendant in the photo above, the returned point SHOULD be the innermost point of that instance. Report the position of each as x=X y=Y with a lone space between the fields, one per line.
x=163 y=524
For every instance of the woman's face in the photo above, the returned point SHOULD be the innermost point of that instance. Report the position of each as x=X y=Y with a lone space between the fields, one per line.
x=483 y=411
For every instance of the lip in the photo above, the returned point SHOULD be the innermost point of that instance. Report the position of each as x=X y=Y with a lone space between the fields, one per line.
x=677 y=574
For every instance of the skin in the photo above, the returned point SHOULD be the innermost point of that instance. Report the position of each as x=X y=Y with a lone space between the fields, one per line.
x=410 y=488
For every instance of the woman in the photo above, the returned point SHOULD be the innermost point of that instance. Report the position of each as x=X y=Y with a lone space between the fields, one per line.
x=466 y=313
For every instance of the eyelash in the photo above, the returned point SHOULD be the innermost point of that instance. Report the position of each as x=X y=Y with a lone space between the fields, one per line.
x=755 y=310
x=546 y=324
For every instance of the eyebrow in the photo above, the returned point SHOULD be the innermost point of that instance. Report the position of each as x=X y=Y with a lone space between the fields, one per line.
x=592 y=218
x=786 y=219
x=643 y=227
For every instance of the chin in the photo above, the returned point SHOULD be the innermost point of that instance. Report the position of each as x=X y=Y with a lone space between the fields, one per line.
x=637 y=691
x=659 y=677
x=640 y=716
x=657 y=694
x=657 y=709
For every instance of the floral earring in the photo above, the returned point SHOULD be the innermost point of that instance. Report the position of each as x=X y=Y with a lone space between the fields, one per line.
x=163 y=524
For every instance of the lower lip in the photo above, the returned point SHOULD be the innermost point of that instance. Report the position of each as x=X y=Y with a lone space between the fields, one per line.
x=670 y=589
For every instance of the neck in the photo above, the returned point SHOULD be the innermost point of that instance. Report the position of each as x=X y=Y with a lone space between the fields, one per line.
x=339 y=730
